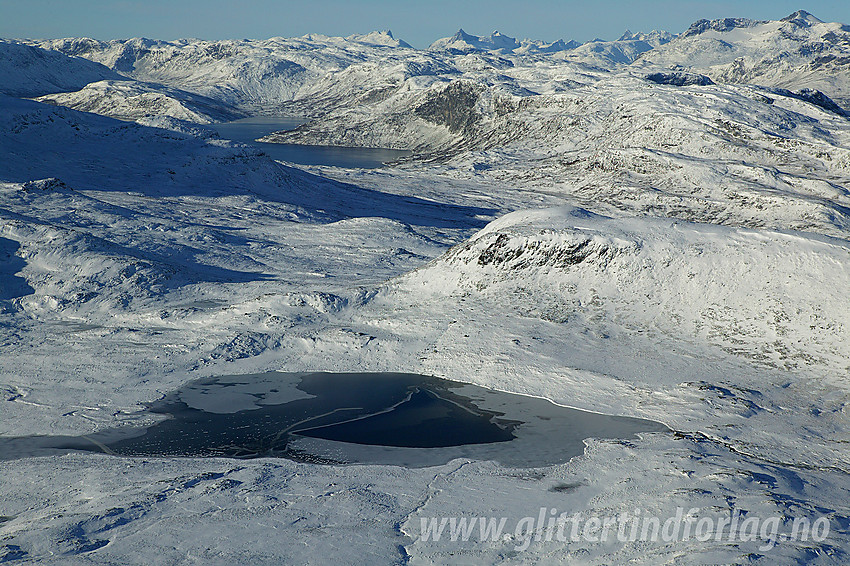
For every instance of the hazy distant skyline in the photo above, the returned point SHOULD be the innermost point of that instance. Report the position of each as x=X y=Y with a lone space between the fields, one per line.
x=418 y=23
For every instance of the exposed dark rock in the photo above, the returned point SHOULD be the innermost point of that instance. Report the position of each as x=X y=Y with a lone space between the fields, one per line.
x=453 y=107
x=679 y=78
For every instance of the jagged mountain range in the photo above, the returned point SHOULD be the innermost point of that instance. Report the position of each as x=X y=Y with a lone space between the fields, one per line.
x=314 y=74
x=602 y=118
x=462 y=42
x=799 y=51
x=683 y=124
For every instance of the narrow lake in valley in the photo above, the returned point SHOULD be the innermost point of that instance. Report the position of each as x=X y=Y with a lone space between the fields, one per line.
x=248 y=130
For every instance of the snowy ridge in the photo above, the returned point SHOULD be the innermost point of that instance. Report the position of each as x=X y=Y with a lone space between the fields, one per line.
x=31 y=71
x=131 y=100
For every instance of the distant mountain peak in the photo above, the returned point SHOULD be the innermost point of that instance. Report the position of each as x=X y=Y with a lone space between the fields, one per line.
x=653 y=37
x=383 y=37
x=461 y=35
x=802 y=18
x=464 y=41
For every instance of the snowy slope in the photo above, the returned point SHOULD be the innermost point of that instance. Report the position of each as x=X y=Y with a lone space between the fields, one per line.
x=31 y=71
x=693 y=282
x=131 y=100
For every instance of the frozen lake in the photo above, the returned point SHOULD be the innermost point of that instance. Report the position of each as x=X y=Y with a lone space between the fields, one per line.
x=247 y=130
x=348 y=418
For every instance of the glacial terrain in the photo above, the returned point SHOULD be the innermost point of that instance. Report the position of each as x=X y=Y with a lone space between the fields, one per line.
x=655 y=227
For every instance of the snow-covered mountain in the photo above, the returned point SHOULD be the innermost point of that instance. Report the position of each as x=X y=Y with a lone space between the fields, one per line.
x=799 y=51
x=462 y=42
x=623 y=51
x=538 y=46
x=315 y=75
x=597 y=52
x=654 y=37
x=383 y=38
x=256 y=75
x=725 y=154
x=719 y=153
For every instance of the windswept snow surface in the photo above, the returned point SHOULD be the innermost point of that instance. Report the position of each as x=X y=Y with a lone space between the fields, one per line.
x=670 y=249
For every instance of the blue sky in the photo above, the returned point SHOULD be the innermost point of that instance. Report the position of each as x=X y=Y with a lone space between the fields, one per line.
x=419 y=23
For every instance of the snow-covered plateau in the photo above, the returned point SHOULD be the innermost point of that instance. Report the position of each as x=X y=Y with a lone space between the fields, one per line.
x=655 y=227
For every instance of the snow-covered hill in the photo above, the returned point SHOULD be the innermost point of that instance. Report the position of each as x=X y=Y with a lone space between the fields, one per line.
x=131 y=100
x=728 y=287
x=30 y=71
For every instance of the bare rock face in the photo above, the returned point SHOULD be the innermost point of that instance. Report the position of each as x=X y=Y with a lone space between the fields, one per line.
x=49 y=184
x=679 y=78
x=453 y=107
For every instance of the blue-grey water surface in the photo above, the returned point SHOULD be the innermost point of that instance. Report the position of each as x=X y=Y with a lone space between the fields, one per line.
x=248 y=130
